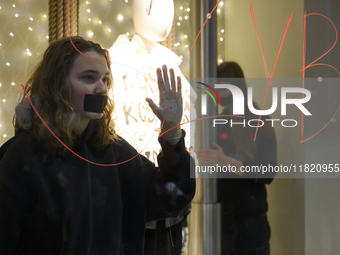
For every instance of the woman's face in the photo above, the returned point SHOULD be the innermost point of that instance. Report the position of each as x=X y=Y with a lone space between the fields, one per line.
x=88 y=76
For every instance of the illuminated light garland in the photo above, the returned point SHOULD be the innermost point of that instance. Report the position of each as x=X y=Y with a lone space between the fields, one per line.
x=18 y=29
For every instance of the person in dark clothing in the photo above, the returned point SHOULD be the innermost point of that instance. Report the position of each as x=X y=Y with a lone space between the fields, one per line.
x=245 y=228
x=86 y=190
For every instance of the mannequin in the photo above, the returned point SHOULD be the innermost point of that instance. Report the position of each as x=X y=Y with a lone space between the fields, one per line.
x=134 y=62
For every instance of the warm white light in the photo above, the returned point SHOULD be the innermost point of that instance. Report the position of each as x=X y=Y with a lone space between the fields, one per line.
x=218 y=11
x=13 y=83
x=109 y=30
x=188 y=10
x=44 y=16
x=220 y=61
x=185 y=36
x=120 y=17
x=31 y=18
x=178 y=23
x=88 y=10
x=221 y=3
x=47 y=37
x=0 y=44
x=16 y=15
x=4 y=100
x=91 y=33
x=11 y=34
x=222 y=30
x=180 y=18
x=29 y=53
x=127 y=33
x=8 y=64
x=0 y=84
x=221 y=39
x=87 y=2
x=13 y=5
x=186 y=46
x=186 y=17
x=89 y=19
x=181 y=8
x=5 y=135
x=99 y=21
x=30 y=29
x=126 y=1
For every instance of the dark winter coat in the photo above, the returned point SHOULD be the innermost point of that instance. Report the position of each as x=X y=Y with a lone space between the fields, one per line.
x=52 y=204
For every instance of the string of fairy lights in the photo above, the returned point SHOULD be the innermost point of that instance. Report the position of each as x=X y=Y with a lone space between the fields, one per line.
x=24 y=37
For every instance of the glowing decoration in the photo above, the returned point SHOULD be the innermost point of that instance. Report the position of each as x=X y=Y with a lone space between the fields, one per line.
x=88 y=10
x=178 y=23
x=109 y=29
x=120 y=17
x=22 y=36
x=44 y=16
x=99 y=21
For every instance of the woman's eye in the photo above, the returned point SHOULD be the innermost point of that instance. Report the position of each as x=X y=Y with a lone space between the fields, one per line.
x=105 y=80
x=88 y=77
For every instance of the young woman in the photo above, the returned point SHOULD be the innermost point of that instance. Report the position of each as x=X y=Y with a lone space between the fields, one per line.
x=96 y=198
x=245 y=228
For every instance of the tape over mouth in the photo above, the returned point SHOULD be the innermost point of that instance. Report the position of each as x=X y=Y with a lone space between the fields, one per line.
x=95 y=103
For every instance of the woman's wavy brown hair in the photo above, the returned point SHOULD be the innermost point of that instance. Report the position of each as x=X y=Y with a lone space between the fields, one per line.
x=243 y=136
x=49 y=89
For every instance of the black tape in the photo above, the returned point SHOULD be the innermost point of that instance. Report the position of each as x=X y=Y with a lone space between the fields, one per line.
x=94 y=103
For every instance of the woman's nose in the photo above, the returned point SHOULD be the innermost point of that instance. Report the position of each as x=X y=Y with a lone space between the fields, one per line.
x=101 y=88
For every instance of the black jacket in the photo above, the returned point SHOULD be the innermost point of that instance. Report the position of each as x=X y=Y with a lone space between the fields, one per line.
x=247 y=195
x=52 y=204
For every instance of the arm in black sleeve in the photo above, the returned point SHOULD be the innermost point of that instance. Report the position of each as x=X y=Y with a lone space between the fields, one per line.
x=11 y=211
x=172 y=188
